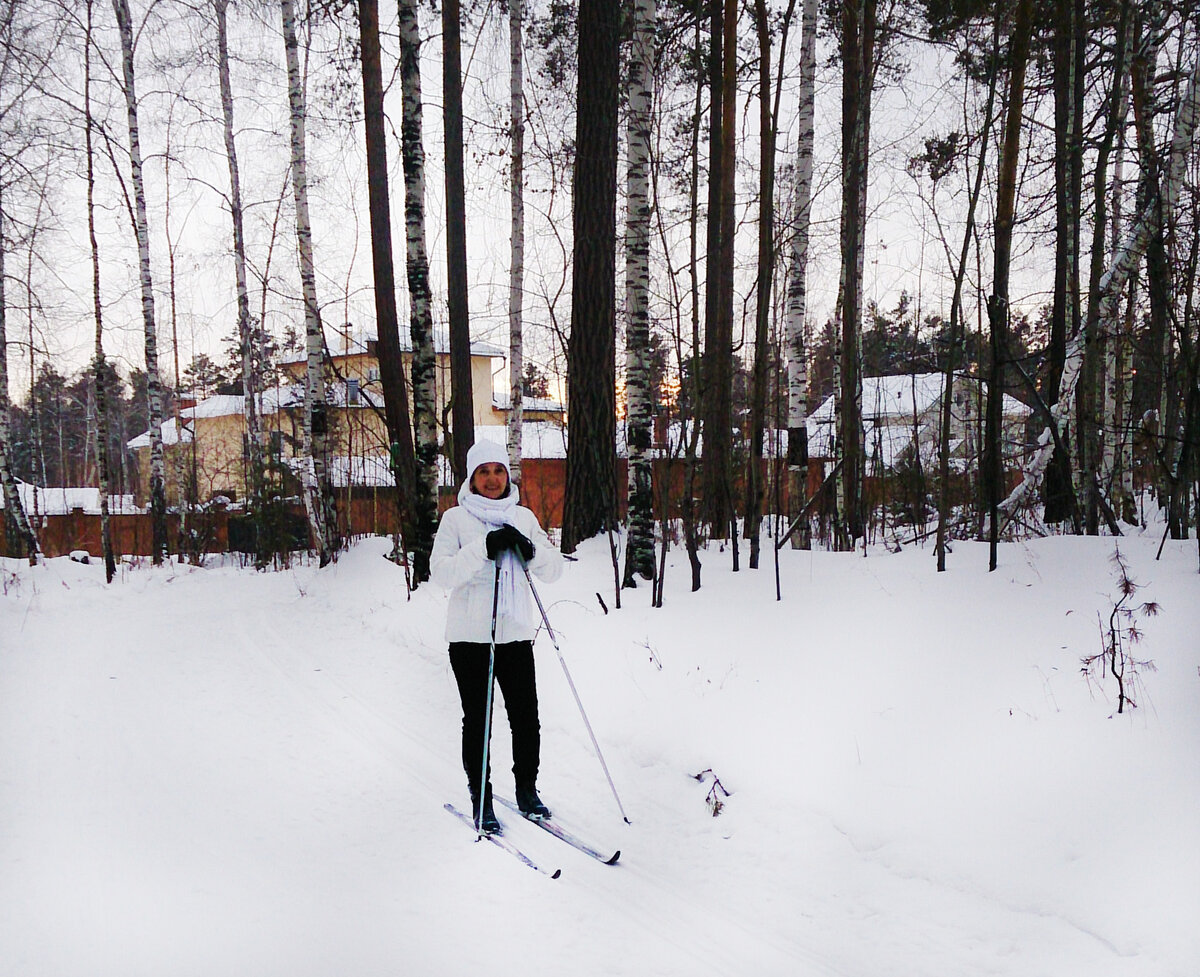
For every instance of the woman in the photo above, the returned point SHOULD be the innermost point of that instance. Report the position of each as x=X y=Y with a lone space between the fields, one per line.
x=488 y=532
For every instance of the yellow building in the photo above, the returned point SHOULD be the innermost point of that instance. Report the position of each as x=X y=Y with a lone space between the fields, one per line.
x=206 y=453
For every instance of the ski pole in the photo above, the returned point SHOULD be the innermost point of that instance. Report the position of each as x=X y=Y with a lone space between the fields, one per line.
x=567 y=672
x=487 y=715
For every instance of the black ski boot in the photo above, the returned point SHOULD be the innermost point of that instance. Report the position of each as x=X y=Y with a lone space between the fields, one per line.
x=490 y=824
x=531 y=805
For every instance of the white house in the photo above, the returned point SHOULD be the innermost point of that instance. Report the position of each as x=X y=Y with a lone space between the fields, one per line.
x=901 y=411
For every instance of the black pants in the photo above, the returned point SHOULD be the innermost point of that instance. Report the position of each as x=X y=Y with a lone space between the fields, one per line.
x=518 y=684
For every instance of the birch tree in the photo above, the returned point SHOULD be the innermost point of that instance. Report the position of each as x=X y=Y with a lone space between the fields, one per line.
x=1099 y=426
x=516 y=267
x=314 y=460
x=424 y=361
x=797 y=275
x=251 y=361
x=639 y=551
x=1161 y=201
x=158 y=496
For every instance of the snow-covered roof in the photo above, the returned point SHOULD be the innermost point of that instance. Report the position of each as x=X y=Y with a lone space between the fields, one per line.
x=170 y=435
x=502 y=401
x=57 y=501
x=358 y=342
x=539 y=439
x=902 y=396
x=889 y=405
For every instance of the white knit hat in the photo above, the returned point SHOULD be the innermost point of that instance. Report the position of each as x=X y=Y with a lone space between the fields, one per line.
x=486 y=452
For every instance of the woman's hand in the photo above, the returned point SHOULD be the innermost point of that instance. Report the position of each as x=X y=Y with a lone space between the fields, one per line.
x=509 y=538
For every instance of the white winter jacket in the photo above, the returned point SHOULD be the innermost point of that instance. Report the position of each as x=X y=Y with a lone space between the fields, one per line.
x=460 y=563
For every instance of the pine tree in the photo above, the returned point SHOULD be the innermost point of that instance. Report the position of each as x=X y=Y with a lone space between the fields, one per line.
x=590 y=504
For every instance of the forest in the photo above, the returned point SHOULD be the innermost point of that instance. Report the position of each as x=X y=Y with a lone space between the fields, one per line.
x=729 y=221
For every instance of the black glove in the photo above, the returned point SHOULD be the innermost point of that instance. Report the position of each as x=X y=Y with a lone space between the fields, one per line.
x=508 y=538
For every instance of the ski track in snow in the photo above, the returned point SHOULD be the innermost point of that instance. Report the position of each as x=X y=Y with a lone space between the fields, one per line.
x=217 y=771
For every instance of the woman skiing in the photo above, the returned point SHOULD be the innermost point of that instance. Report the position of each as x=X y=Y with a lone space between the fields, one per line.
x=478 y=554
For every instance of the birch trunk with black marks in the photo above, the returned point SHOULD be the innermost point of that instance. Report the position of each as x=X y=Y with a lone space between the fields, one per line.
x=516 y=267
x=797 y=278
x=424 y=361
x=251 y=357
x=639 y=416
x=158 y=495
x=1099 y=425
x=387 y=320
x=1161 y=201
x=314 y=462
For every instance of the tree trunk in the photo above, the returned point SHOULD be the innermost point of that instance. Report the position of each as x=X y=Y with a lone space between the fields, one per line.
x=1161 y=198
x=98 y=361
x=1059 y=494
x=463 y=416
x=420 y=322
x=14 y=511
x=158 y=496
x=639 y=545
x=387 y=323
x=317 y=494
x=858 y=53
x=1099 y=425
x=516 y=268
x=590 y=504
x=1006 y=195
x=956 y=311
x=247 y=334
x=717 y=461
x=766 y=267
x=797 y=278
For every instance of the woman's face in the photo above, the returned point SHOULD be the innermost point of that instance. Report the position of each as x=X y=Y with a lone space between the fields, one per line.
x=490 y=480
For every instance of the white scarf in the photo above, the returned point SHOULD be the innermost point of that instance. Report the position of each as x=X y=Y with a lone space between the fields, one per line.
x=494 y=513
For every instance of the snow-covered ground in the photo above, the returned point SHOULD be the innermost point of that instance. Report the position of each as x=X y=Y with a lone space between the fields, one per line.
x=223 y=773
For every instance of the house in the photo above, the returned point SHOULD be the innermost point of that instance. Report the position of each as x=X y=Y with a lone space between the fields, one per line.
x=54 y=501
x=902 y=411
x=207 y=452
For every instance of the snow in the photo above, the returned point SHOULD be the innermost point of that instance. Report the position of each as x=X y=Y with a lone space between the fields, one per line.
x=218 y=771
x=59 y=501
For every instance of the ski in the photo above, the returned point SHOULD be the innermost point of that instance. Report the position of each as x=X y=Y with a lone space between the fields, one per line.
x=501 y=842
x=562 y=834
